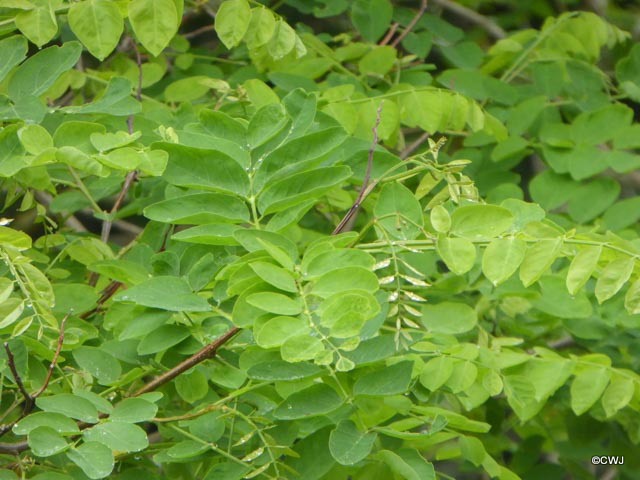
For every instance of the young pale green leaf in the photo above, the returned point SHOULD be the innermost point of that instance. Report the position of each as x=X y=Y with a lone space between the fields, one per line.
x=204 y=169
x=15 y=238
x=401 y=211
x=118 y=436
x=378 y=61
x=440 y=219
x=10 y=311
x=463 y=376
x=166 y=293
x=356 y=302
x=199 y=208
x=283 y=40
x=538 y=259
x=277 y=330
x=94 y=458
x=209 y=234
x=480 y=221
x=315 y=400
x=278 y=277
x=346 y=278
x=261 y=27
x=12 y=51
x=98 y=25
x=70 y=405
x=38 y=24
x=133 y=410
x=581 y=267
x=56 y=421
x=35 y=139
x=275 y=303
x=408 y=464
x=613 y=277
x=41 y=70
x=100 y=364
x=502 y=258
x=632 y=298
x=459 y=254
x=300 y=348
x=154 y=22
x=391 y=380
x=348 y=445
x=449 y=317
x=232 y=21
x=192 y=386
x=45 y=441
x=116 y=100
x=324 y=262
x=587 y=387
x=296 y=188
x=436 y=372
x=371 y=17
x=618 y=394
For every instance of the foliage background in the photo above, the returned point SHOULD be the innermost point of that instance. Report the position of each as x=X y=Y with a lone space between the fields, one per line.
x=319 y=239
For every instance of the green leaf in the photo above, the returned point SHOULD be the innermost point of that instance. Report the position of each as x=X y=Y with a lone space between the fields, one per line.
x=401 y=209
x=436 y=372
x=261 y=27
x=40 y=71
x=166 y=293
x=408 y=464
x=276 y=331
x=209 y=234
x=632 y=298
x=199 y=208
x=100 y=364
x=502 y=257
x=371 y=18
x=45 y=441
x=12 y=51
x=613 y=277
x=300 y=348
x=618 y=394
x=283 y=40
x=154 y=22
x=348 y=445
x=459 y=254
x=463 y=376
x=378 y=61
x=298 y=187
x=232 y=21
x=98 y=24
x=340 y=257
x=346 y=278
x=587 y=386
x=390 y=380
x=35 y=139
x=71 y=405
x=538 y=259
x=118 y=436
x=480 y=221
x=133 y=410
x=274 y=275
x=95 y=459
x=56 y=421
x=581 y=267
x=38 y=25
x=315 y=400
x=275 y=303
x=15 y=238
x=204 y=169
x=279 y=370
x=440 y=219
x=449 y=317
x=162 y=338
x=116 y=100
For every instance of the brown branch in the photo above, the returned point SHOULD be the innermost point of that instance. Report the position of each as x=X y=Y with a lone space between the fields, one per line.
x=489 y=25
x=350 y=217
x=54 y=361
x=198 y=31
x=389 y=34
x=412 y=23
x=415 y=144
x=16 y=376
x=208 y=351
x=107 y=293
x=14 y=448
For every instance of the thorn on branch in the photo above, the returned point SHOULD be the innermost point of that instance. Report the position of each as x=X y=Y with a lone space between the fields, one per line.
x=350 y=217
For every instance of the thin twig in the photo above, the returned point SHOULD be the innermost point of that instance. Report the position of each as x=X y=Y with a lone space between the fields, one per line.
x=343 y=225
x=107 y=293
x=206 y=352
x=390 y=33
x=415 y=144
x=16 y=376
x=489 y=25
x=412 y=23
x=199 y=31
x=54 y=361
